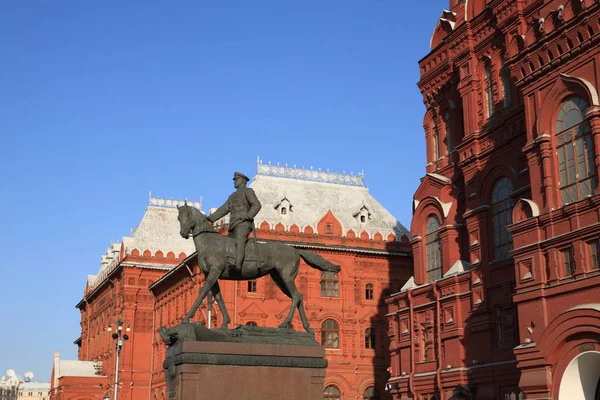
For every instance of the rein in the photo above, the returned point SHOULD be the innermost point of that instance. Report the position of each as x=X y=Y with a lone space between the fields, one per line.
x=200 y=231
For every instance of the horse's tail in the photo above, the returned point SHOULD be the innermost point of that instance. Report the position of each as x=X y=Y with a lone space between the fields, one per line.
x=318 y=262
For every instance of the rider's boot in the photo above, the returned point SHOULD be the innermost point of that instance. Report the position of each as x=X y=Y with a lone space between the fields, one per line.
x=238 y=265
x=231 y=264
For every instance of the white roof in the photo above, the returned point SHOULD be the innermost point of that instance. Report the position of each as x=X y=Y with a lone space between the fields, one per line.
x=35 y=386
x=108 y=263
x=158 y=230
x=308 y=201
x=79 y=368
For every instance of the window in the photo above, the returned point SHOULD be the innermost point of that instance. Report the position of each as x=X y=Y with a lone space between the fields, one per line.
x=251 y=323
x=594 y=249
x=575 y=150
x=489 y=93
x=330 y=334
x=567 y=258
x=331 y=393
x=502 y=206
x=362 y=218
x=449 y=145
x=329 y=284
x=505 y=77
x=500 y=327
x=371 y=393
x=370 y=338
x=369 y=291
x=283 y=211
x=433 y=246
x=252 y=286
x=328 y=229
x=436 y=141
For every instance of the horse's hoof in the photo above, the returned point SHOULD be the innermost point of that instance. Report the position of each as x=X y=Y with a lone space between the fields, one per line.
x=224 y=326
x=309 y=329
x=284 y=325
x=185 y=321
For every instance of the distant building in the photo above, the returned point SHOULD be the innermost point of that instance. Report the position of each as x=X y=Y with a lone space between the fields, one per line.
x=34 y=391
x=17 y=388
x=151 y=278
x=8 y=388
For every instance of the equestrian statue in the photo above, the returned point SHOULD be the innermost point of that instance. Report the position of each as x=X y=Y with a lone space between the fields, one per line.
x=236 y=258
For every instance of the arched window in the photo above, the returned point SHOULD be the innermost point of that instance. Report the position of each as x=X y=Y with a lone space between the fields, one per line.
x=448 y=127
x=371 y=393
x=331 y=393
x=251 y=323
x=369 y=291
x=329 y=284
x=436 y=141
x=502 y=205
x=330 y=334
x=575 y=149
x=283 y=211
x=505 y=77
x=433 y=247
x=489 y=93
x=370 y=338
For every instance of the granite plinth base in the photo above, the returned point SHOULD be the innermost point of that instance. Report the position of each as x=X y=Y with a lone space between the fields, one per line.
x=197 y=370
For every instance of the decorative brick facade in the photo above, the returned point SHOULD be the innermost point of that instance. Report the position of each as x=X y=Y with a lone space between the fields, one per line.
x=506 y=225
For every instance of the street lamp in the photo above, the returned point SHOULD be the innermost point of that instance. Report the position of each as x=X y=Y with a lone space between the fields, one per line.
x=120 y=339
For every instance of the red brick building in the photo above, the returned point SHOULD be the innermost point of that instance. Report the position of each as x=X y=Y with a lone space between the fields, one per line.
x=152 y=278
x=506 y=227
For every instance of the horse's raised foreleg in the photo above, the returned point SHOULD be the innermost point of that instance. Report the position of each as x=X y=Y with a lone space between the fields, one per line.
x=211 y=279
x=216 y=291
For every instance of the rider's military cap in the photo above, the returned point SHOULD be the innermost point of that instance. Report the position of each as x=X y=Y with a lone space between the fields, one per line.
x=240 y=175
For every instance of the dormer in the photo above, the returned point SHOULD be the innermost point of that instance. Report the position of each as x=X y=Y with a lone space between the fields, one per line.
x=284 y=207
x=363 y=215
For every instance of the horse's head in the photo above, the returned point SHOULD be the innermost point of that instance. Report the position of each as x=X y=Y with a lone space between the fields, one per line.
x=189 y=219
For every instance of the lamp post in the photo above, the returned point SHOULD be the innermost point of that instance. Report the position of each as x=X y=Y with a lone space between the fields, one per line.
x=120 y=339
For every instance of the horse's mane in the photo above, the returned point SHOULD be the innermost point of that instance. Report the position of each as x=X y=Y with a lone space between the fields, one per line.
x=197 y=214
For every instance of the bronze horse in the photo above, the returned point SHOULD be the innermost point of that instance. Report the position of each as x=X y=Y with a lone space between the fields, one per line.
x=276 y=259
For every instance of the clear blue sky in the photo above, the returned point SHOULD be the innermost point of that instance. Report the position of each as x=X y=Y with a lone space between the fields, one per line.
x=102 y=101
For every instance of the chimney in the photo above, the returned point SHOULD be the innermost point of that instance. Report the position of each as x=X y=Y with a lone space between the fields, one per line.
x=56 y=367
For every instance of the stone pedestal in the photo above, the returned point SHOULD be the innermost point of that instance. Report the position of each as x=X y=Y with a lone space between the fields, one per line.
x=252 y=367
